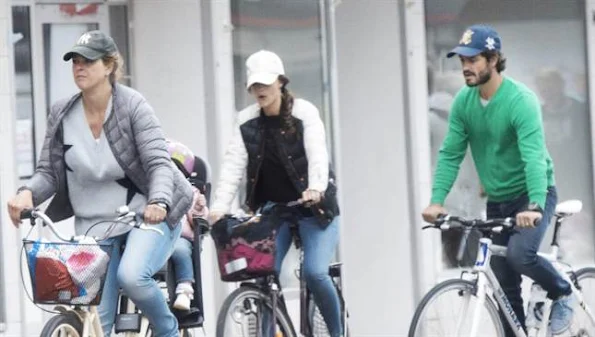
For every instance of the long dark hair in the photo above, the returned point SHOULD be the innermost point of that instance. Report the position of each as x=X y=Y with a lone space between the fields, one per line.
x=287 y=98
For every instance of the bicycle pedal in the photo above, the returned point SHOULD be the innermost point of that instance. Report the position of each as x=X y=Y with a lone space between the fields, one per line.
x=128 y=323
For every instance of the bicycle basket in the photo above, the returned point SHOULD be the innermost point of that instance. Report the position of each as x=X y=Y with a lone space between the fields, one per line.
x=67 y=272
x=245 y=247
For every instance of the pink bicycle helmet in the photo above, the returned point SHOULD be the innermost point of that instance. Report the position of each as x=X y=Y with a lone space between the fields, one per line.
x=182 y=155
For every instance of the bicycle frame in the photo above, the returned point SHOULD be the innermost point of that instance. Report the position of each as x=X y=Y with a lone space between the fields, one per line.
x=89 y=317
x=486 y=278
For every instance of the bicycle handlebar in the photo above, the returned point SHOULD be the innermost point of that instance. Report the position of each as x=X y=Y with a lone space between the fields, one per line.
x=446 y=222
x=124 y=216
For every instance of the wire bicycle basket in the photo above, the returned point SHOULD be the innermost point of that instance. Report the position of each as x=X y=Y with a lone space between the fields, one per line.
x=71 y=273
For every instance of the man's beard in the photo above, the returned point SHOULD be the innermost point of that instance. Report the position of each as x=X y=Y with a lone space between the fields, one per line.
x=484 y=77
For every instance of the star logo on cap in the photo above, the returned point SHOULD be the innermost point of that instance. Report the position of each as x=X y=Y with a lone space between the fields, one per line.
x=490 y=43
x=466 y=38
x=84 y=39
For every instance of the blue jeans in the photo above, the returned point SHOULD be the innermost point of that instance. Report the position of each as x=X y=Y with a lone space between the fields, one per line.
x=319 y=246
x=521 y=256
x=145 y=253
x=182 y=260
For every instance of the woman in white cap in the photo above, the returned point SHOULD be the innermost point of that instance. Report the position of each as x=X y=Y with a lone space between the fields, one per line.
x=103 y=149
x=280 y=143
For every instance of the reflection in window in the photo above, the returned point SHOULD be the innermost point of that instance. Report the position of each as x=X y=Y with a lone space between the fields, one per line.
x=25 y=126
x=544 y=43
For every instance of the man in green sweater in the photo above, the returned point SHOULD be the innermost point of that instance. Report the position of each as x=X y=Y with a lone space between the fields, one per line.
x=500 y=119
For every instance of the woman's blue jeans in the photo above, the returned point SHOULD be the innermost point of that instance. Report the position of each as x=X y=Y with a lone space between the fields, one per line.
x=145 y=253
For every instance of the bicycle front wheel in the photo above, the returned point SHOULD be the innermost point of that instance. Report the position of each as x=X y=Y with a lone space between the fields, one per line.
x=247 y=311
x=63 y=325
x=582 y=325
x=448 y=310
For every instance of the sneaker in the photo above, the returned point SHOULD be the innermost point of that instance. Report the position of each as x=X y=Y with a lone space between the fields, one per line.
x=561 y=316
x=182 y=302
x=185 y=294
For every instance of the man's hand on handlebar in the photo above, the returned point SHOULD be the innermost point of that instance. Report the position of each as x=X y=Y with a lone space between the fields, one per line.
x=432 y=212
x=528 y=219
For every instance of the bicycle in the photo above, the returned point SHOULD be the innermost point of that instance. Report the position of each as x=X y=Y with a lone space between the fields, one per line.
x=481 y=286
x=249 y=307
x=77 y=314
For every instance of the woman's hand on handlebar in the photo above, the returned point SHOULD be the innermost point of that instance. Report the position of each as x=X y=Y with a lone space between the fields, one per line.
x=154 y=214
x=432 y=212
x=20 y=202
x=311 y=197
x=215 y=216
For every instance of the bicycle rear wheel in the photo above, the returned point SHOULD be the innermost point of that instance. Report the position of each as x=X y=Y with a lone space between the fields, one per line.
x=317 y=323
x=447 y=310
x=244 y=312
x=63 y=325
x=582 y=326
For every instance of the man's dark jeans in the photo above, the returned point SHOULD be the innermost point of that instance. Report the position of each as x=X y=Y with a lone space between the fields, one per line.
x=522 y=258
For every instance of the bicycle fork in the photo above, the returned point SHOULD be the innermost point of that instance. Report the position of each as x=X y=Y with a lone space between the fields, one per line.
x=485 y=277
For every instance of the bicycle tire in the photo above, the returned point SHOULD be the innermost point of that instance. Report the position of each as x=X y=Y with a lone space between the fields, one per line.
x=585 y=272
x=68 y=321
x=443 y=287
x=317 y=323
x=243 y=293
x=584 y=329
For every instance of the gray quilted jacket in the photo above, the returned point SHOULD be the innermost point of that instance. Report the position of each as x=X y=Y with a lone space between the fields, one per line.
x=137 y=142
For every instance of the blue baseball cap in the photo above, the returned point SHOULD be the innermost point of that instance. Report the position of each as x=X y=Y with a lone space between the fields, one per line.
x=477 y=39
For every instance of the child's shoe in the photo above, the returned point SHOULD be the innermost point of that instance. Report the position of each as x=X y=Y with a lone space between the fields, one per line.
x=185 y=293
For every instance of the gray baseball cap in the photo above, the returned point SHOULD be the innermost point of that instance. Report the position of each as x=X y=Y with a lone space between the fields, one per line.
x=92 y=45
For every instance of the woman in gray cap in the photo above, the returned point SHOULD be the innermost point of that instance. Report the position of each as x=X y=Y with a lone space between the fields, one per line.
x=104 y=148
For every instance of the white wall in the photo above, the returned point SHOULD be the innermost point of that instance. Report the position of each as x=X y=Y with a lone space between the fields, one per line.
x=377 y=249
x=12 y=298
x=167 y=66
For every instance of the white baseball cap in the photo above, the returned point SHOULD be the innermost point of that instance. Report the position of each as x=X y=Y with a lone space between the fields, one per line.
x=263 y=67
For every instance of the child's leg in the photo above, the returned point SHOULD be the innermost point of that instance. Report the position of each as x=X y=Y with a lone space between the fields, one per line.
x=184 y=269
x=182 y=259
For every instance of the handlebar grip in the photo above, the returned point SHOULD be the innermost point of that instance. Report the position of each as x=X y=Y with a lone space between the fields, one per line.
x=27 y=214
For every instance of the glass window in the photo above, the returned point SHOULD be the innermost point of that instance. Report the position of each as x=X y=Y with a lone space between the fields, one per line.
x=544 y=43
x=25 y=126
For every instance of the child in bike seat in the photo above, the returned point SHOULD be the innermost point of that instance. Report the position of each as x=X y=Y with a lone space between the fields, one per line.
x=181 y=257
